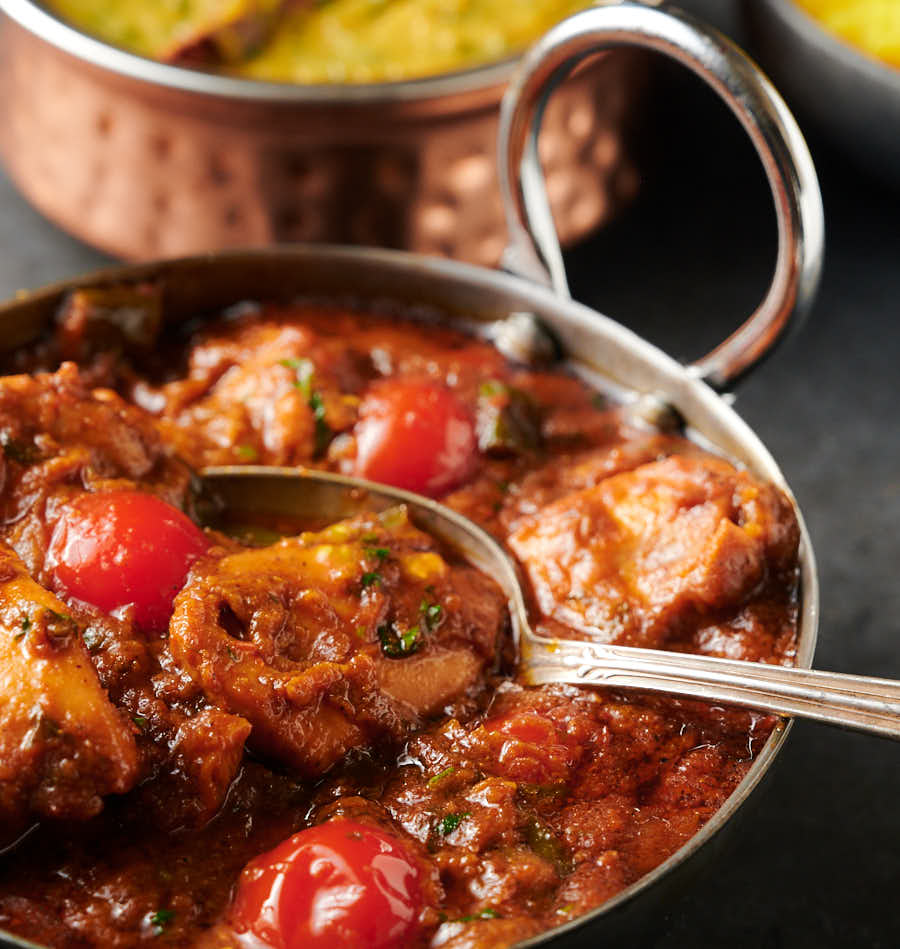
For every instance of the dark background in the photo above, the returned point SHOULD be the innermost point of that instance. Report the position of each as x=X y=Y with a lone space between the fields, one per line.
x=817 y=863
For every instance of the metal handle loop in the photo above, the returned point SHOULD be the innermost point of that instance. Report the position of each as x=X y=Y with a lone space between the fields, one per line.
x=534 y=250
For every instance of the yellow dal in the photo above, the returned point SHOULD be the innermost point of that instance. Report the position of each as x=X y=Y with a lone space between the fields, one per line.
x=871 y=25
x=350 y=41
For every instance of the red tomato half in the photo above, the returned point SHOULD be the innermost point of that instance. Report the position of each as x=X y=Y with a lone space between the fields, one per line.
x=338 y=885
x=415 y=435
x=122 y=547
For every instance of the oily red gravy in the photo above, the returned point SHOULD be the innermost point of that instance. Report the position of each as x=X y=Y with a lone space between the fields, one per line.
x=353 y=684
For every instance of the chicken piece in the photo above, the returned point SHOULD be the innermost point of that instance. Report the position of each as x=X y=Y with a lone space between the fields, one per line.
x=328 y=641
x=63 y=746
x=585 y=469
x=644 y=555
x=59 y=438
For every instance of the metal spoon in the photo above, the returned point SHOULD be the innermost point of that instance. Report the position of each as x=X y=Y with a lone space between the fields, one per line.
x=857 y=702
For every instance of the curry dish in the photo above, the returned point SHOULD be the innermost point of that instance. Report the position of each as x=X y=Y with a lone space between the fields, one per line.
x=286 y=737
x=343 y=41
x=872 y=26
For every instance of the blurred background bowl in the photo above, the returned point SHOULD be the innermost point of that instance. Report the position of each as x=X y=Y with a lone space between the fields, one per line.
x=142 y=159
x=852 y=97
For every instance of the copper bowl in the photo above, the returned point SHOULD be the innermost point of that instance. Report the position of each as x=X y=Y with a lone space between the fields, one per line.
x=143 y=159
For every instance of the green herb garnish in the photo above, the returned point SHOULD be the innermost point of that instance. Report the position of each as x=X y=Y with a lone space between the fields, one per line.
x=545 y=844
x=369 y=578
x=305 y=370
x=487 y=913
x=377 y=553
x=436 y=779
x=432 y=613
x=59 y=625
x=161 y=919
x=26 y=625
x=409 y=640
x=140 y=721
x=449 y=822
x=323 y=431
x=507 y=420
x=397 y=643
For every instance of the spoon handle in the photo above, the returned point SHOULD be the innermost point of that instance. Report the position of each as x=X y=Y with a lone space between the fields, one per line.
x=856 y=702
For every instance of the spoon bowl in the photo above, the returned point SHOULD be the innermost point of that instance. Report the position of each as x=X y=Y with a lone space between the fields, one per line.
x=857 y=702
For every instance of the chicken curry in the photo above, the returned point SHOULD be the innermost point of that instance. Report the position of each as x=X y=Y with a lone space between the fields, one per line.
x=283 y=735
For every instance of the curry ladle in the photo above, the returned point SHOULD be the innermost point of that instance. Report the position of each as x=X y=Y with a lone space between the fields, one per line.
x=857 y=702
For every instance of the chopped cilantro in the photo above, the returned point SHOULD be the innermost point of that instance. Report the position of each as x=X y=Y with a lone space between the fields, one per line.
x=409 y=640
x=379 y=553
x=545 y=844
x=161 y=919
x=436 y=779
x=369 y=578
x=306 y=370
x=140 y=721
x=59 y=626
x=397 y=643
x=323 y=431
x=26 y=623
x=449 y=822
x=433 y=613
x=487 y=913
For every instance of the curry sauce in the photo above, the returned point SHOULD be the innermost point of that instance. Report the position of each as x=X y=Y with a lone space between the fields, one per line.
x=359 y=675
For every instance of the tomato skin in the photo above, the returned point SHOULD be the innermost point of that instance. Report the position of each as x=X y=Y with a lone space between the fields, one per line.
x=339 y=884
x=415 y=434
x=116 y=548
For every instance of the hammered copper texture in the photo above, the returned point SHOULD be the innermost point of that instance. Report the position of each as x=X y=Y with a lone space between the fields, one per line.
x=144 y=170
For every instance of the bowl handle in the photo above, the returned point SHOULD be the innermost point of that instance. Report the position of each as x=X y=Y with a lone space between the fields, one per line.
x=534 y=250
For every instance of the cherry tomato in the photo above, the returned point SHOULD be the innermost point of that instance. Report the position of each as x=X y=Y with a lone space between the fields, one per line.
x=340 y=884
x=125 y=547
x=415 y=435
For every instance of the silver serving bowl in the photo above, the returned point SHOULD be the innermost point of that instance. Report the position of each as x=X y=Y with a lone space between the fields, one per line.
x=852 y=97
x=608 y=355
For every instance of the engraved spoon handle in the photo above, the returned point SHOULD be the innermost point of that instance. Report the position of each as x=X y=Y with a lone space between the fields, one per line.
x=865 y=704
x=856 y=702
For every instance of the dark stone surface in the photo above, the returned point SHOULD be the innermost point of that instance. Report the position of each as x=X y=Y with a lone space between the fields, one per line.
x=817 y=865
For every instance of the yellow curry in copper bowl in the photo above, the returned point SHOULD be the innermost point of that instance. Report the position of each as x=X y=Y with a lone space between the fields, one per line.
x=319 y=41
